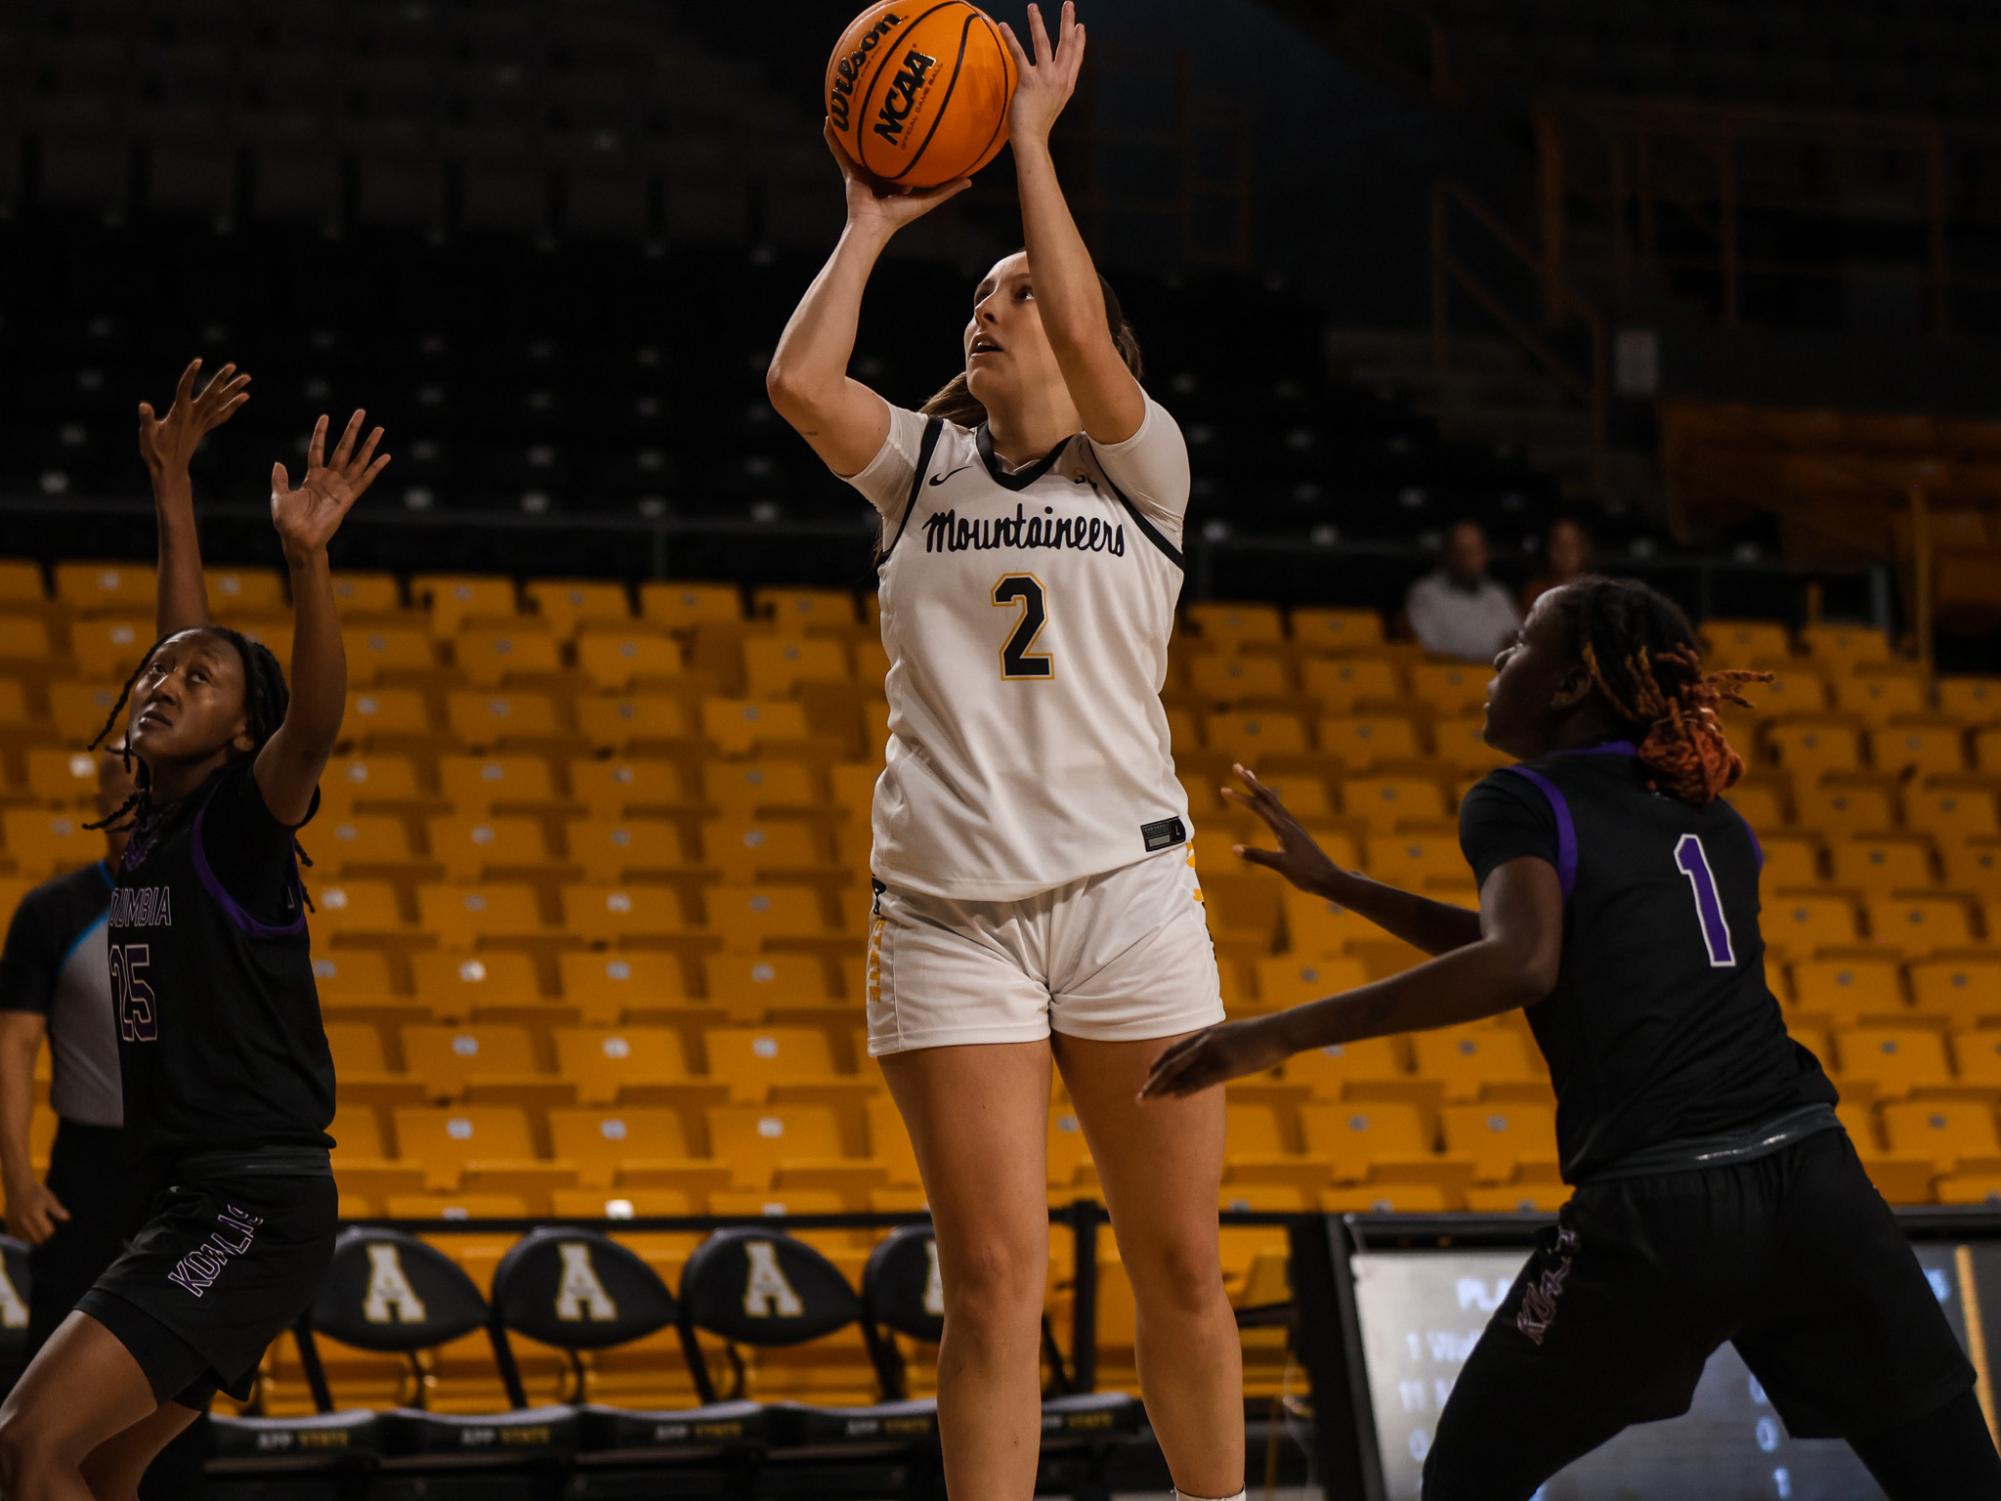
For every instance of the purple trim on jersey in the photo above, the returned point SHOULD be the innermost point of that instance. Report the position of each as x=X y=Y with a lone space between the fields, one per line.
x=228 y=904
x=1566 y=831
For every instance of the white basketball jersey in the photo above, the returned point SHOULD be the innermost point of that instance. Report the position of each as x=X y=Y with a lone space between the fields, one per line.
x=1026 y=616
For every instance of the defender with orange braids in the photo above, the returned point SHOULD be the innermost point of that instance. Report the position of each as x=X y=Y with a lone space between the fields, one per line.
x=1717 y=1196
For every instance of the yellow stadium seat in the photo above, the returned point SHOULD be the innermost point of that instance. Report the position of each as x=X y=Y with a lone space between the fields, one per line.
x=1243 y=908
x=623 y=914
x=464 y=917
x=615 y=851
x=775 y=666
x=494 y=657
x=273 y=633
x=444 y=1140
x=1976 y=1058
x=378 y=651
x=756 y=1140
x=761 y=789
x=1970 y=700
x=449 y=1059
x=1849 y=805
x=21 y=583
x=1952 y=809
x=807 y=610
x=683 y=606
x=889 y=1142
x=1517 y=1198
x=749 y=985
x=1411 y=858
x=1449 y=687
x=1069 y=1153
x=1916 y=925
x=42 y=842
x=361 y=844
x=1329 y=1073
x=1987 y=750
x=607 y=987
x=14 y=711
x=1460 y=741
x=1392 y=1196
x=473 y=847
x=1739 y=643
x=749 y=852
x=1236 y=624
x=64 y=777
x=1762 y=804
x=455 y=599
x=616 y=659
x=369 y=783
x=1500 y=1139
x=1325 y=631
x=605 y=1062
x=378 y=715
x=566 y=605
x=109 y=648
x=349 y=977
x=1358 y=1136
x=1846 y=990
x=1797 y=923
x=1385 y=803
x=601 y=1142
x=459 y=986
x=500 y=719
x=1963 y=987
x=1316 y=928
x=627 y=788
x=1361 y=742
x=482 y=786
x=753 y=917
x=1796 y=691
x=753 y=1061
x=1814 y=748
x=1968 y=1188
x=1955 y=1134
x=1342 y=685
x=358 y=593
x=740 y=727
x=1845 y=645
x=635 y=724
x=1878 y=698
x=1974 y=865
x=1928 y=749
x=1790 y=859
x=104 y=588
x=1292 y=981
x=1471 y=1061
x=1882 y=863
x=1896 y=1060
x=1249 y=737
x=1222 y=678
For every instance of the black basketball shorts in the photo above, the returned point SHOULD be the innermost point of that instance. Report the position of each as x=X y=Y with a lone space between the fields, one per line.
x=1793 y=1257
x=224 y=1263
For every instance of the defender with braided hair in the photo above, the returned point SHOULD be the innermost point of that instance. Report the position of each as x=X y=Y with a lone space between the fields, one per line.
x=1717 y=1196
x=228 y=1083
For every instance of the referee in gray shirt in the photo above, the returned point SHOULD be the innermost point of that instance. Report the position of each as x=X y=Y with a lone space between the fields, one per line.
x=55 y=983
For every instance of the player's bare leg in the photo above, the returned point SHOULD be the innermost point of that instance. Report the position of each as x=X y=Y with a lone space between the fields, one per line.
x=1161 y=1165
x=116 y=1466
x=979 y=1119
x=81 y=1390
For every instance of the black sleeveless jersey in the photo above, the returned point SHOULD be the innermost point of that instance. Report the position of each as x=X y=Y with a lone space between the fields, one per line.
x=219 y=1033
x=1661 y=1028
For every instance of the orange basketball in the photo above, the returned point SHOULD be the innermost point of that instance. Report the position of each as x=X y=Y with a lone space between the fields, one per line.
x=918 y=93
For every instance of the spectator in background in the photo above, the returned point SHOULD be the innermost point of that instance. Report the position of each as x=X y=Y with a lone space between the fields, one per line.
x=1459 y=611
x=1567 y=553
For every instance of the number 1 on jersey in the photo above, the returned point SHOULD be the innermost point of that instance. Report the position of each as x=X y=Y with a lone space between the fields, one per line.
x=1692 y=860
x=1024 y=590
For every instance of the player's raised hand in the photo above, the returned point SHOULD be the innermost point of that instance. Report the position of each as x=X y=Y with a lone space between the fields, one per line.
x=308 y=517
x=891 y=210
x=1046 y=80
x=1228 y=1051
x=1297 y=858
x=167 y=443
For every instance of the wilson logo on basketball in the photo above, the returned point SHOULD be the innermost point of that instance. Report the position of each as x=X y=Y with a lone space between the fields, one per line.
x=848 y=69
x=902 y=96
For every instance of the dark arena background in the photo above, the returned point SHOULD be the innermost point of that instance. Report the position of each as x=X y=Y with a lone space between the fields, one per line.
x=1716 y=286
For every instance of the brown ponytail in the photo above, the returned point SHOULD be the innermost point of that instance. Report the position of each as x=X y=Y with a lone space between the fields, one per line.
x=955 y=401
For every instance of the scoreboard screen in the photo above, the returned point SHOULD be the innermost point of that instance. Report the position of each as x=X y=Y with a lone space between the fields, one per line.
x=1421 y=1310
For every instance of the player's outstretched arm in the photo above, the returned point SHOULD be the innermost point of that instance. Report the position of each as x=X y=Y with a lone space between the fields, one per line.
x=808 y=380
x=289 y=766
x=1434 y=927
x=1514 y=963
x=1064 y=278
x=166 y=444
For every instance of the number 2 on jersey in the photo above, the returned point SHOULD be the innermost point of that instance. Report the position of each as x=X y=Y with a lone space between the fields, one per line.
x=1025 y=591
x=131 y=994
x=1692 y=860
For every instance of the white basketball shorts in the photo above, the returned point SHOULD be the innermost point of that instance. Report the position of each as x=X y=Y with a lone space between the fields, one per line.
x=1121 y=957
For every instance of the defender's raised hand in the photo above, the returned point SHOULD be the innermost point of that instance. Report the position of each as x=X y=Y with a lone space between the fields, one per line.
x=308 y=517
x=1297 y=858
x=167 y=443
x=1228 y=1051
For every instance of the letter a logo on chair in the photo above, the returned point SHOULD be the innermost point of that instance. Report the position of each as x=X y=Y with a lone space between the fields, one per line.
x=765 y=1289
x=389 y=1289
x=581 y=1295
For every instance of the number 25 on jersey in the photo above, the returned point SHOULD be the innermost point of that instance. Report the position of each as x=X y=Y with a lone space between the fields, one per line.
x=132 y=993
